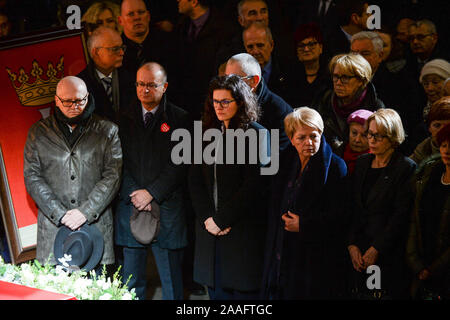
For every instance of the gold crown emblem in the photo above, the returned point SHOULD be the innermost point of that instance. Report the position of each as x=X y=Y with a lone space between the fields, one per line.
x=39 y=91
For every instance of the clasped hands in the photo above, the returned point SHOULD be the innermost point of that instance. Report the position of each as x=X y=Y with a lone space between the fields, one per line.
x=141 y=200
x=73 y=219
x=291 y=222
x=361 y=262
x=212 y=228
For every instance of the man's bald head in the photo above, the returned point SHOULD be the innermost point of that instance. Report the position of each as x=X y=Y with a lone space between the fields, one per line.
x=71 y=96
x=70 y=83
x=134 y=18
x=156 y=69
x=151 y=80
x=258 y=42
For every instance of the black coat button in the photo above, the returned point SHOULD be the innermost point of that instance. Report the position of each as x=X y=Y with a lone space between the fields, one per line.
x=72 y=177
x=72 y=201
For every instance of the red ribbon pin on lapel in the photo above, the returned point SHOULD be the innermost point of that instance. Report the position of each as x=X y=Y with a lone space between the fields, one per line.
x=165 y=127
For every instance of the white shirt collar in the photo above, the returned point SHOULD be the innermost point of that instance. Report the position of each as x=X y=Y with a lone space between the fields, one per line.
x=101 y=75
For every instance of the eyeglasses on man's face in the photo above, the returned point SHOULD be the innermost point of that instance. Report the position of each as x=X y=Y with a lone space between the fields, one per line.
x=70 y=103
x=344 y=78
x=150 y=85
x=246 y=78
x=419 y=37
x=223 y=103
x=310 y=45
x=376 y=136
x=116 y=49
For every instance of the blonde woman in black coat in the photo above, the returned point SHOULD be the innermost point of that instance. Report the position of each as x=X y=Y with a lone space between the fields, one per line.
x=305 y=252
x=381 y=201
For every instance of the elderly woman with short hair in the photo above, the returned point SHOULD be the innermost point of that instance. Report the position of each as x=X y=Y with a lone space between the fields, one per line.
x=304 y=239
x=357 y=139
x=432 y=77
x=380 y=206
x=438 y=117
x=428 y=249
x=352 y=90
x=312 y=78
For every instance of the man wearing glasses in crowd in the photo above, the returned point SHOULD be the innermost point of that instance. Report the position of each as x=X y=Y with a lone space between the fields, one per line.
x=423 y=40
x=72 y=167
x=109 y=85
x=150 y=180
x=273 y=108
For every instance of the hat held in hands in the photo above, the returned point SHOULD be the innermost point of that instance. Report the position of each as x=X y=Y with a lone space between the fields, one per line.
x=85 y=246
x=144 y=225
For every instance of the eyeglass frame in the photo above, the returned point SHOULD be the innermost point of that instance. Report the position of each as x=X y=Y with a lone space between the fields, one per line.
x=310 y=45
x=77 y=102
x=417 y=36
x=335 y=78
x=377 y=137
x=151 y=85
x=227 y=102
x=116 y=49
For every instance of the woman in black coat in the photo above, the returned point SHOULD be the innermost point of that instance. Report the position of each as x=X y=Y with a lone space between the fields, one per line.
x=312 y=76
x=305 y=249
x=228 y=198
x=428 y=248
x=381 y=201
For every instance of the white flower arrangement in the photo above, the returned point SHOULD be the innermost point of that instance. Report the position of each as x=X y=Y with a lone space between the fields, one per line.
x=66 y=280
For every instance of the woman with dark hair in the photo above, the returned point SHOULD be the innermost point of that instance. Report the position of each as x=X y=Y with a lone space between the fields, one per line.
x=228 y=196
x=243 y=111
x=305 y=249
x=438 y=117
x=428 y=249
x=380 y=203
x=311 y=71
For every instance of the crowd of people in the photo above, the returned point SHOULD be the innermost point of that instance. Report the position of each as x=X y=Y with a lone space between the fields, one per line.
x=363 y=120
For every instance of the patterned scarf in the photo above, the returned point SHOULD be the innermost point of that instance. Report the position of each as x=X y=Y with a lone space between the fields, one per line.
x=344 y=110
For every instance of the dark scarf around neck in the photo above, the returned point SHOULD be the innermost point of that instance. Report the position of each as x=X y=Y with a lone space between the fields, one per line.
x=81 y=118
x=344 y=110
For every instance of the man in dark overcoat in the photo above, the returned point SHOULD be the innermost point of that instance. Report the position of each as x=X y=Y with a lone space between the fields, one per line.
x=150 y=177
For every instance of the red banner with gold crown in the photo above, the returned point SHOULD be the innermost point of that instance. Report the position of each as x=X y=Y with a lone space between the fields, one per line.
x=30 y=68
